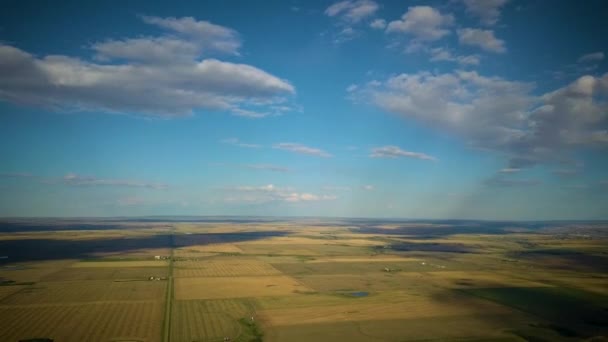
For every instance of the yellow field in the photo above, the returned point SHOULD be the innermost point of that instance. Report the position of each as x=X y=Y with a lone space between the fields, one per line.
x=236 y=287
x=304 y=280
x=140 y=321
x=460 y=279
x=120 y=264
x=223 y=268
x=385 y=307
x=208 y=320
x=106 y=273
x=360 y=259
x=91 y=291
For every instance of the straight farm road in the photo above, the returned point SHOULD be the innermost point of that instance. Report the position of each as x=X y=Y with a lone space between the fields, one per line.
x=169 y=295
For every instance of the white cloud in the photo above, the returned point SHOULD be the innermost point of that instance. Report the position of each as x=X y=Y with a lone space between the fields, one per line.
x=424 y=23
x=488 y=11
x=78 y=180
x=442 y=54
x=396 y=152
x=592 y=57
x=237 y=142
x=494 y=114
x=367 y=187
x=510 y=183
x=483 y=39
x=378 y=24
x=272 y=193
x=509 y=170
x=302 y=149
x=352 y=11
x=151 y=75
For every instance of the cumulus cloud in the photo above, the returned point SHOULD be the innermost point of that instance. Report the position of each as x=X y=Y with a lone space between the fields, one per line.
x=396 y=152
x=272 y=193
x=495 y=114
x=237 y=142
x=483 y=39
x=592 y=57
x=488 y=11
x=162 y=75
x=302 y=149
x=424 y=23
x=73 y=179
x=352 y=11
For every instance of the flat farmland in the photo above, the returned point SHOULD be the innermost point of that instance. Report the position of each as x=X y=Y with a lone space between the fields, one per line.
x=223 y=267
x=90 y=291
x=344 y=267
x=209 y=320
x=453 y=328
x=121 y=264
x=318 y=249
x=139 y=321
x=385 y=306
x=305 y=280
x=106 y=273
x=236 y=287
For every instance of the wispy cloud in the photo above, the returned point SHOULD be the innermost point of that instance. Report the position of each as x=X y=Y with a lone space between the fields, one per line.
x=509 y=170
x=352 y=11
x=368 y=187
x=73 y=179
x=302 y=149
x=396 y=152
x=237 y=142
x=268 y=167
x=488 y=11
x=591 y=57
x=501 y=181
x=272 y=193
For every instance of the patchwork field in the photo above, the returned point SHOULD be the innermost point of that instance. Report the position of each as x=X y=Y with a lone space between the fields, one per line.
x=236 y=287
x=303 y=280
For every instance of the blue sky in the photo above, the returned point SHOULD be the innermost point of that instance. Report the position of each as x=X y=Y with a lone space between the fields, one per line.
x=444 y=109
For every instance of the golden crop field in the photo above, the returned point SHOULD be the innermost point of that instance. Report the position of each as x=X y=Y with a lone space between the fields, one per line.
x=305 y=281
x=208 y=320
x=236 y=287
x=91 y=291
x=223 y=267
x=106 y=273
x=139 y=321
